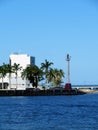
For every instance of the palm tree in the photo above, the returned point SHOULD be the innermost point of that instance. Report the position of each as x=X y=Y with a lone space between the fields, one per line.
x=45 y=67
x=33 y=73
x=50 y=75
x=3 y=73
x=37 y=74
x=27 y=72
x=15 y=69
x=59 y=74
x=9 y=71
x=55 y=76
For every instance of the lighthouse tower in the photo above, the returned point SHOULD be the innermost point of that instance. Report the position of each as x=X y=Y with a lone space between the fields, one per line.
x=68 y=84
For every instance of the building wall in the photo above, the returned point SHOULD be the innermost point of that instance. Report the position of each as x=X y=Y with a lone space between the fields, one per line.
x=23 y=60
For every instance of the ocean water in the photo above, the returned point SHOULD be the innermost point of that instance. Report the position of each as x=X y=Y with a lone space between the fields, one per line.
x=78 y=112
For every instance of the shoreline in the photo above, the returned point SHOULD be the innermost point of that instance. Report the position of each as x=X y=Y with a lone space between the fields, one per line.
x=88 y=90
x=40 y=93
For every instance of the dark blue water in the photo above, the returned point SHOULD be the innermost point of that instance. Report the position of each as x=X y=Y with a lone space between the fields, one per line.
x=49 y=113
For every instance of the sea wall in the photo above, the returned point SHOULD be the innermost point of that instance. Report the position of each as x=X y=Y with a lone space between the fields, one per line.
x=39 y=93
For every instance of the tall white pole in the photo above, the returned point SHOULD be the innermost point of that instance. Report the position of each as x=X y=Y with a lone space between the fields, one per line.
x=68 y=68
x=68 y=84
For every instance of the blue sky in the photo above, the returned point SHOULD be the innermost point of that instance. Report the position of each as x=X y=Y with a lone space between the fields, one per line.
x=49 y=29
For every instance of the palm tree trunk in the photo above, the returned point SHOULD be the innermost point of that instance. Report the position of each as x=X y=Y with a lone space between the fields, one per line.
x=2 y=84
x=16 y=82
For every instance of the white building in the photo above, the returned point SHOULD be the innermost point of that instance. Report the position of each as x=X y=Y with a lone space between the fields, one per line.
x=23 y=60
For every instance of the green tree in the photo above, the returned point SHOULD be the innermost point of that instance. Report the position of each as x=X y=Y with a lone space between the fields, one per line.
x=3 y=72
x=15 y=69
x=34 y=74
x=55 y=76
x=9 y=71
x=51 y=75
x=45 y=67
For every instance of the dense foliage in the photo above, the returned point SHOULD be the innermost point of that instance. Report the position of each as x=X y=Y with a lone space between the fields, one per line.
x=34 y=74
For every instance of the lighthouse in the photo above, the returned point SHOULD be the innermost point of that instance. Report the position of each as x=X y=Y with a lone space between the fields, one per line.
x=68 y=84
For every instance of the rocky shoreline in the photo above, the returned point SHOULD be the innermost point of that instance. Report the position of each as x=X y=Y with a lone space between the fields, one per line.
x=40 y=93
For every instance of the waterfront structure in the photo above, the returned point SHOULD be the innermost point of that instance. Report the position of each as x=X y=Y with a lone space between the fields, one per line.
x=23 y=60
x=68 y=84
